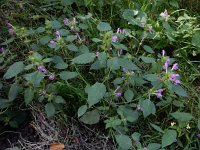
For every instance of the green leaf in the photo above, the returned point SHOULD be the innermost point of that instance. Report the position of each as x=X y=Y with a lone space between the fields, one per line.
x=128 y=95
x=28 y=96
x=55 y=24
x=66 y=75
x=179 y=90
x=148 y=59
x=40 y=29
x=50 y=109
x=182 y=116
x=148 y=108
x=198 y=125
x=168 y=138
x=103 y=26
x=14 y=70
x=119 y=46
x=123 y=141
x=95 y=93
x=195 y=39
x=44 y=40
x=151 y=77
x=67 y=2
x=82 y=110
x=83 y=49
x=62 y=65
x=4 y=103
x=128 y=64
x=71 y=38
x=59 y=100
x=91 y=117
x=113 y=63
x=153 y=146
x=84 y=58
x=148 y=49
x=35 y=78
x=10 y=40
x=128 y=113
x=157 y=128
x=13 y=92
x=72 y=47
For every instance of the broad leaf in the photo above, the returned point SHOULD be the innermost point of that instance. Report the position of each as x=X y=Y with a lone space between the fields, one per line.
x=123 y=141
x=148 y=49
x=14 y=70
x=153 y=146
x=28 y=95
x=84 y=58
x=13 y=92
x=182 y=116
x=50 y=109
x=82 y=110
x=148 y=108
x=113 y=63
x=168 y=138
x=91 y=117
x=179 y=90
x=95 y=93
x=66 y=75
x=128 y=95
x=148 y=59
x=128 y=64
x=157 y=128
x=103 y=26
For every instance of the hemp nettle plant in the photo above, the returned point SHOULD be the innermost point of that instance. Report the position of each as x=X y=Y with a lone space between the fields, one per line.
x=117 y=77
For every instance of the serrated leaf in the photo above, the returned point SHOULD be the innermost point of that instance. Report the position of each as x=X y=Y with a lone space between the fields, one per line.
x=28 y=96
x=66 y=75
x=84 y=58
x=35 y=78
x=91 y=117
x=128 y=113
x=103 y=26
x=82 y=110
x=44 y=40
x=14 y=70
x=72 y=47
x=50 y=109
x=55 y=24
x=128 y=95
x=151 y=77
x=128 y=64
x=148 y=108
x=113 y=63
x=95 y=93
x=179 y=90
x=123 y=141
x=148 y=49
x=182 y=116
x=168 y=138
x=83 y=49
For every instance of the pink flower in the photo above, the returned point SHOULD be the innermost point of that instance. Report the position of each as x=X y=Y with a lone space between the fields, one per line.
x=57 y=34
x=166 y=65
x=175 y=66
x=97 y=54
x=51 y=77
x=114 y=38
x=159 y=93
x=66 y=21
x=118 y=94
x=164 y=14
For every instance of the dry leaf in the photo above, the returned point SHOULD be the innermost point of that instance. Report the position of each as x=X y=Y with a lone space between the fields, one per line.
x=57 y=146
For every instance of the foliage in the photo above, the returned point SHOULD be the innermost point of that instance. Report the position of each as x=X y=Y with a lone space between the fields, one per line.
x=111 y=68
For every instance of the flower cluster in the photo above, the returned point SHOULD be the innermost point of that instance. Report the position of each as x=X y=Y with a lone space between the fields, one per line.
x=45 y=71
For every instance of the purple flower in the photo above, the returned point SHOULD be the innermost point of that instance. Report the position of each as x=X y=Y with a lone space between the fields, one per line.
x=198 y=135
x=118 y=94
x=74 y=19
x=176 y=82
x=173 y=76
x=132 y=73
x=66 y=21
x=42 y=69
x=97 y=54
x=51 y=77
x=73 y=28
x=163 y=53
x=11 y=31
x=119 y=30
x=2 y=49
x=57 y=34
x=52 y=42
x=166 y=65
x=139 y=108
x=164 y=14
x=175 y=66
x=114 y=38
x=110 y=49
x=118 y=88
x=159 y=93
